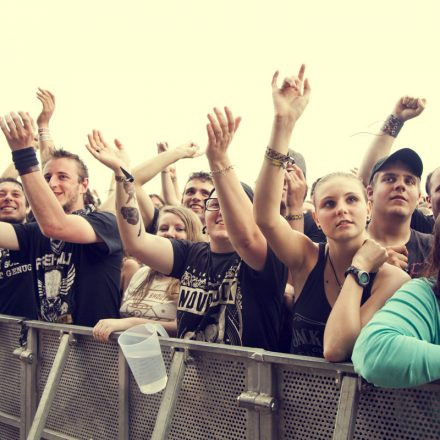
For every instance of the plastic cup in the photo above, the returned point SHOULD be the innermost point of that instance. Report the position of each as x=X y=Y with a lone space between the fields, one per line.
x=141 y=348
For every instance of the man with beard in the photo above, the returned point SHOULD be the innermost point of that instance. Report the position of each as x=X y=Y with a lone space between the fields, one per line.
x=75 y=251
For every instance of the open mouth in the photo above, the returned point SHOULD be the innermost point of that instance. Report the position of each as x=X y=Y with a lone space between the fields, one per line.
x=8 y=208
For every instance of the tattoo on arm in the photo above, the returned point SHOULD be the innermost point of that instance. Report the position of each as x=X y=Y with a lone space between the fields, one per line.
x=130 y=214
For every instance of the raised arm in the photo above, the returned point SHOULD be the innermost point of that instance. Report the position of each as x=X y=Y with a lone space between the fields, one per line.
x=166 y=175
x=296 y=190
x=45 y=140
x=235 y=206
x=406 y=108
x=289 y=103
x=153 y=250
x=51 y=218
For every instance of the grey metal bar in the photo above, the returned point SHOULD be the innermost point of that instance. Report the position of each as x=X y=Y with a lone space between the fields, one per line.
x=6 y=319
x=169 y=397
x=347 y=408
x=29 y=391
x=50 y=389
x=124 y=390
x=253 y=386
x=7 y=419
x=49 y=434
x=268 y=419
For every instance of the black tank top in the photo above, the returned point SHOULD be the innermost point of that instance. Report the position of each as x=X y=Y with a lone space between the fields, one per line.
x=311 y=311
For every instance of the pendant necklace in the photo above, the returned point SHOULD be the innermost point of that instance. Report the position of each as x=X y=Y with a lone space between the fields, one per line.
x=334 y=272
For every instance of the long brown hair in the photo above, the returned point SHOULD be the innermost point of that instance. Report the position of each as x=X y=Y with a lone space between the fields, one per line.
x=193 y=228
x=432 y=269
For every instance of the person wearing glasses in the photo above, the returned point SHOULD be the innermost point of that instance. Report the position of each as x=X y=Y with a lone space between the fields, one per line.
x=231 y=289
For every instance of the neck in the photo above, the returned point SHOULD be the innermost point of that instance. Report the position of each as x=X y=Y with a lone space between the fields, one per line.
x=342 y=254
x=390 y=231
x=221 y=246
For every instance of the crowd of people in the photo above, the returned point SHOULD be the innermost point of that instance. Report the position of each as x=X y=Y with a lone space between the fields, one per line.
x=350 y=273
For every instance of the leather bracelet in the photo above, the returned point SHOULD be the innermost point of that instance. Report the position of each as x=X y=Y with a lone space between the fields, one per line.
x=290 y=217
x=222 y=171
x=392 y=126
x=29 y=170
x=127 y=177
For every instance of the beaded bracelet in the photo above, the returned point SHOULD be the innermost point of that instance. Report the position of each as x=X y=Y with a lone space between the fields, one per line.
x=291 y=217
x=392 y=126
x=222 y=171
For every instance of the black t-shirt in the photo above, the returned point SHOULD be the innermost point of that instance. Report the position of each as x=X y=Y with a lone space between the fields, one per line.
x=17 y=295
x=81 y=280
x=421 y=222
x=224 y=300
x=312 y=309
x=311 y=230
x=418 y=246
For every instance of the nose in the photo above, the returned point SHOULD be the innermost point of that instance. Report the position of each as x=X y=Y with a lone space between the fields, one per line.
x=341 y=208
x=171 y=233
x=400 y=183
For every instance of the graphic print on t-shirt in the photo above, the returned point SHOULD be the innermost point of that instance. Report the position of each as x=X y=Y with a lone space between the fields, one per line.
x=213 y=304
x=56 y=274
x=9 y=268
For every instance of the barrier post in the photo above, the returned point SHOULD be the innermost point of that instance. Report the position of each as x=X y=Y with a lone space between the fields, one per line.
x=50 y=389
x=124 y=392
x=347 y=408
x=169 y=398
x=29 y=383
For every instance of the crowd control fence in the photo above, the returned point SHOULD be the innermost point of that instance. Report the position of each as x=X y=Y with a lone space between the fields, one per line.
x=58 y=383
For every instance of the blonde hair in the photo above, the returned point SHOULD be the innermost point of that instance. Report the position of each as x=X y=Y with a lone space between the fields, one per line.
x=331 y=176
x=193 y=228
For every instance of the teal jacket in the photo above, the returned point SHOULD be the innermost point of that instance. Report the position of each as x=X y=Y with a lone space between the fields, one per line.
x=399 y=347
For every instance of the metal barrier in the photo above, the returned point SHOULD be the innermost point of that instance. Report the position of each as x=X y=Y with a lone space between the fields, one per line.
x=64 y=385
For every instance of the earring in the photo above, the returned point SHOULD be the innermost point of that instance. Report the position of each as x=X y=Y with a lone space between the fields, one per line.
x=204 y=230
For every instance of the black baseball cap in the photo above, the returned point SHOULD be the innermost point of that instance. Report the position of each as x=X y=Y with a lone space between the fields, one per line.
x=406 y=155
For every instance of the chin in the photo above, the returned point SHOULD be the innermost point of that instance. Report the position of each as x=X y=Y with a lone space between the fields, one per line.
x=13 y=220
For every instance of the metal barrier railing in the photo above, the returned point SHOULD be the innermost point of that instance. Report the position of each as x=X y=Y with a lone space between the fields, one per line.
x=65 y=385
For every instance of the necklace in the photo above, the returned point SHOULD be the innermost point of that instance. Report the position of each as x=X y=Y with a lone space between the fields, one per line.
x=334 y=271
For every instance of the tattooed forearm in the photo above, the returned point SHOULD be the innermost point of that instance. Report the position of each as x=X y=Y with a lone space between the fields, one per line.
x=130 y=190
x=130 y=214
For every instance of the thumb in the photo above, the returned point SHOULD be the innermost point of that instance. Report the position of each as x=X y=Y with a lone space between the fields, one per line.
x=118 y=144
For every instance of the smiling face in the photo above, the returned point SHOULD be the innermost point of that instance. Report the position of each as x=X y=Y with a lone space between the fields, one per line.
x=171 y=226
x=194 y=195
x=215 y=226
x=63 y=178
x=341 y=207
x=395 y=191
x=12 y=203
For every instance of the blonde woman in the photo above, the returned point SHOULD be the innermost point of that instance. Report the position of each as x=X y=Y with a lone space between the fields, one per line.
x=151 y=296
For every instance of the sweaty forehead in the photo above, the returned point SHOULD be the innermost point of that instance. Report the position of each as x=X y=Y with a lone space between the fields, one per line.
x=61 y=165
x=10 y=186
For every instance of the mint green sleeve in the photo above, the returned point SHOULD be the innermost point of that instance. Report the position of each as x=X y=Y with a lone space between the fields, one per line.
x=399 y=347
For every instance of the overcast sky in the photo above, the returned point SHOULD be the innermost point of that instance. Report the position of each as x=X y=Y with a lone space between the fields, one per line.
x=146 y=71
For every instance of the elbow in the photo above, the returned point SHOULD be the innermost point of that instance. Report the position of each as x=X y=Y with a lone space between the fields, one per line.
x=335 y=354
x=52 y=230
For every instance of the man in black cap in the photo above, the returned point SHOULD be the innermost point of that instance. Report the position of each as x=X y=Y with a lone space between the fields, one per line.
x=394 y=190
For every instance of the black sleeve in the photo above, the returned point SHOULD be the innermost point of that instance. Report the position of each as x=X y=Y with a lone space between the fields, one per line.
x=26 y=235
x=151 y=229
x=421 y=222
x=105 y=226
x=311 y=230
x=181 y=250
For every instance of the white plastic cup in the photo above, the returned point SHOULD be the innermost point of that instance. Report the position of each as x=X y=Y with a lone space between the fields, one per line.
x=141 y=349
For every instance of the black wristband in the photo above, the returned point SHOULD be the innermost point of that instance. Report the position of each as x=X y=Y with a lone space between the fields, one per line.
x=24 y=159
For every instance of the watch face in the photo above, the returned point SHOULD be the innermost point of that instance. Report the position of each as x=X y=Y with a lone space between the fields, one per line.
x=364 y=278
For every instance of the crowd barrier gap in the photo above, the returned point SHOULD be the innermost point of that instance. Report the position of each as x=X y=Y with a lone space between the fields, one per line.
x=58 y=383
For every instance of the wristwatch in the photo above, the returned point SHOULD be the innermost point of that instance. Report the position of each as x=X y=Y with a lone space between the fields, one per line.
x=361 y=277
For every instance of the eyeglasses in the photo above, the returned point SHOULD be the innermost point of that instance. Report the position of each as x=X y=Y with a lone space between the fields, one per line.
x=212 y=204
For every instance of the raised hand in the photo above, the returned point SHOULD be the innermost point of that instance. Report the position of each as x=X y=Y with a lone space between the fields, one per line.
x=113 y=158
x=48 y=101
x=18 y=130
x=189 y=150
x=220 y=131
x=292 y=97
x=370 y=256
x=409 y=107
x=296 y=187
